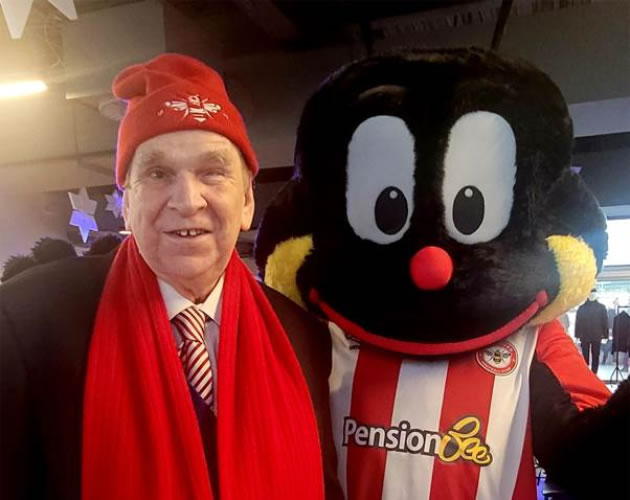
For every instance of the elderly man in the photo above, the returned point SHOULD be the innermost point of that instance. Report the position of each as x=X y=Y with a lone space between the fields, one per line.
x=165 y=372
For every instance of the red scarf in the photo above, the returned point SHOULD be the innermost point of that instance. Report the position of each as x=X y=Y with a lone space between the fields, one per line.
x=140 y=433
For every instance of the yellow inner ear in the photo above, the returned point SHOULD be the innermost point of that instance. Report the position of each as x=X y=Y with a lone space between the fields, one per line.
x=283 y=264
x=577 y=268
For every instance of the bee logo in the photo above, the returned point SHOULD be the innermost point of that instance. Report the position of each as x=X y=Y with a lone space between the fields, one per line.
x=500 y=359
x=195 y=106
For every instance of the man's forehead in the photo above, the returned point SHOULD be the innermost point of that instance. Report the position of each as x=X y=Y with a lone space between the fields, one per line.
x=157 y=155
x=193 y=145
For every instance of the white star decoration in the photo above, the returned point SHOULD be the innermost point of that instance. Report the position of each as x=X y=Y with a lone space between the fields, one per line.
x=16 y=13
x=83 y=213
x=114 y=203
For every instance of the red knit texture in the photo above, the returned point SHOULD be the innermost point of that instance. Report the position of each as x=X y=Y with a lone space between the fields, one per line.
x=140 y=434
x=174 y=92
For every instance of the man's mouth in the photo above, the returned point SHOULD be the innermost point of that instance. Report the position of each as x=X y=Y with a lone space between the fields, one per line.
x=188 y=233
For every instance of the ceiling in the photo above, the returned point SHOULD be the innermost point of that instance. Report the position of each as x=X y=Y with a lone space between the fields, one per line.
x=272 y=54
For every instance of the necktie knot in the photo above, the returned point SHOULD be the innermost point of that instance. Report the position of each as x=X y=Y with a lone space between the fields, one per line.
x=191 y=325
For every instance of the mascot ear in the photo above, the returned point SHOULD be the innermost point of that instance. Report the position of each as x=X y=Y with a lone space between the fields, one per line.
x=575 y=230
x=571 y=209
x=284 y=239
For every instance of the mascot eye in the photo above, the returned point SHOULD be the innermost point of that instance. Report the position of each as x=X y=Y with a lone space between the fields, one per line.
x=479 y=177
x=468 y=209
x=391 y=210
x=380 y=169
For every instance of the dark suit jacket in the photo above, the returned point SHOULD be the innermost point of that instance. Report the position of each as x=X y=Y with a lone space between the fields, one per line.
x=591 y=322
x=46 y=320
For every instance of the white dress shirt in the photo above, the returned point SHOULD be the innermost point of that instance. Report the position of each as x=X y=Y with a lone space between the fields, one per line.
x=175 y=304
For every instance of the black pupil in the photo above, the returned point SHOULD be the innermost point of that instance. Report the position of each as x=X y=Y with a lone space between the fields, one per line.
x=468 y=210
x=391 y=210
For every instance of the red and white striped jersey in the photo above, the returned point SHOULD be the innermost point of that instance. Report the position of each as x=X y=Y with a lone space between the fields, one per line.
x=433 y=429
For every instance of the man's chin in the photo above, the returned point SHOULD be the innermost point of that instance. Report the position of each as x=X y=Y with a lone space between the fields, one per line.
x=188 y=268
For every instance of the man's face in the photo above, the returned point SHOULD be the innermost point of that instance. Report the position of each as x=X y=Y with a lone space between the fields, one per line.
x=188 y=195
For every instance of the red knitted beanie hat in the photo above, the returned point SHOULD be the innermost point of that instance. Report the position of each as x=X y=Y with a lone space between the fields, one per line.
x=174 y=92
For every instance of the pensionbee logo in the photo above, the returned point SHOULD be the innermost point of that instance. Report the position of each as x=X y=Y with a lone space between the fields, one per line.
x=461 y=442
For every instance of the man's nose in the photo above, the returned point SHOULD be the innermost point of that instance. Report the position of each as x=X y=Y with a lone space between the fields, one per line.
x=187 y=196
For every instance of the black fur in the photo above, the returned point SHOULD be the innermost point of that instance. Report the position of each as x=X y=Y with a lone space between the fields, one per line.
x=494 y=281
x=292 y=215
x=567 y=441
x=370 y=284
x=571 y=209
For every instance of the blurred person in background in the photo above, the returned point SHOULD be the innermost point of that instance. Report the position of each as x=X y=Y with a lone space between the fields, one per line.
x=48 y=250
x=17 y=264
x=591 y=327
x=104 y=245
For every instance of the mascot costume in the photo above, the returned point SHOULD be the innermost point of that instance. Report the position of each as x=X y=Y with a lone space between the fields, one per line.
x=433 y=220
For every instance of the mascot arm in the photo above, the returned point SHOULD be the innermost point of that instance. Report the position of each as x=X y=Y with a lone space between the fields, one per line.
x=580 y=433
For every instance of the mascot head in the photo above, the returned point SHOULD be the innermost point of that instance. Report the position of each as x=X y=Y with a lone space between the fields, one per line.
x=432 y=209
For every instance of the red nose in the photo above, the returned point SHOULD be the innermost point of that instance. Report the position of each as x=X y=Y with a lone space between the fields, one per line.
x=431 y=268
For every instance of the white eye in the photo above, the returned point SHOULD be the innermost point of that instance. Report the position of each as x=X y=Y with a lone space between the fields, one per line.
x=479 y=177
x=379 y=194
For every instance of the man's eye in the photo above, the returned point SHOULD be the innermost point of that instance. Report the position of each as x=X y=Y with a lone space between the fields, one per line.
x=212 y=174
x=157 y=174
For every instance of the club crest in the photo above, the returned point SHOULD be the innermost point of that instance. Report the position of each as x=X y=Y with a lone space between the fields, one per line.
x=499 y=359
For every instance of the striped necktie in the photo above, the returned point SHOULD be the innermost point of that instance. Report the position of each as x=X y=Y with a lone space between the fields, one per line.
x=190 y=323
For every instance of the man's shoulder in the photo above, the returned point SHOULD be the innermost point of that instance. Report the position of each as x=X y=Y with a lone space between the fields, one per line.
x=286 y=305
x=60 y=285
x=63 y=276
x=289 y=311
x=308 y=334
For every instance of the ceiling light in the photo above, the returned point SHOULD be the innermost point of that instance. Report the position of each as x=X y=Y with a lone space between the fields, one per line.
x=20 y=89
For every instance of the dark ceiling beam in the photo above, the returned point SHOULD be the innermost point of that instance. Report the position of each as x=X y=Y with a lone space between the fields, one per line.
x=93 y=167
x=269 y=18
x=499 y=29
x=86 y=6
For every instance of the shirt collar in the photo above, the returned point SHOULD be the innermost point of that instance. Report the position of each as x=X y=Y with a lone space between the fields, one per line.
x=176 y=303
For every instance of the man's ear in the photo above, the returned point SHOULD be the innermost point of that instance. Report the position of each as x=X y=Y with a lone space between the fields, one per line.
x=125 y=209
x=248 y=208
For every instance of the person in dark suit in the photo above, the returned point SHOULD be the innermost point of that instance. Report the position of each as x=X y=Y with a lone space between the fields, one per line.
x=164 y=370
x=621 y=336
x=591 y=327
